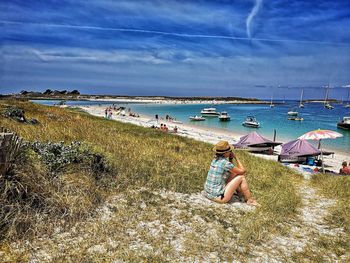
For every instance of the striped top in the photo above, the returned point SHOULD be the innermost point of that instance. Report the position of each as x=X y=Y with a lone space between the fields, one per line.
x=217 y=176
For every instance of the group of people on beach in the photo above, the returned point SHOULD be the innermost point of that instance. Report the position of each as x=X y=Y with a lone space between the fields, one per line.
x=109 y=112
x=167 y=118
x=119 y=111
x=164 y=128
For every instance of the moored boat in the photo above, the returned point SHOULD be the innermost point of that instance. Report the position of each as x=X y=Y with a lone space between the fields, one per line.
x=210 y=112
x=296 y=118
x=329 y=106
x=292 y=113
x=344 y=123
x=224 y=116
x=197 y=118
x=326 y=104
x=271 y=103
x=251 y=122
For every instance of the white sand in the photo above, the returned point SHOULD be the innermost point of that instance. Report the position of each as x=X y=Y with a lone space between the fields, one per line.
x=212 y=135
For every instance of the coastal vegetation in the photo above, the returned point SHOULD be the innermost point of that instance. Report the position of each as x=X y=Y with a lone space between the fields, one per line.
x=93 y=189
x=76 y=95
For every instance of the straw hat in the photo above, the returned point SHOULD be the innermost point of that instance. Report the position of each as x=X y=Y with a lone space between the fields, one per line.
x=222 y=147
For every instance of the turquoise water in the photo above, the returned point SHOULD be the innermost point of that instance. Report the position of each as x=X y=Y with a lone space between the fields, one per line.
x=315 y=117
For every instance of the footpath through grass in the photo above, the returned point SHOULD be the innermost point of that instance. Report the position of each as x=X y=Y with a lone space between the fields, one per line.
x=143 y=163
x=335 y=188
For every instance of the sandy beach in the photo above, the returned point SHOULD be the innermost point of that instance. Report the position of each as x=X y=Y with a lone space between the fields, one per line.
x=161 y=100
x=213 y=135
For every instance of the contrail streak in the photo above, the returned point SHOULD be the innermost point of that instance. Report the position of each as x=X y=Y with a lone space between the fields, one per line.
x=171 y=33
x=251 y=16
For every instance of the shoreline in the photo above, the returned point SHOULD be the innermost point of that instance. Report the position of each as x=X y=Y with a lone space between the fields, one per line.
x=149 y=99
x=210 y=135
x=178 y=101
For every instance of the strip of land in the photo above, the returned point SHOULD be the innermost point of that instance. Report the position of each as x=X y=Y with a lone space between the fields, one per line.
x=211 y=135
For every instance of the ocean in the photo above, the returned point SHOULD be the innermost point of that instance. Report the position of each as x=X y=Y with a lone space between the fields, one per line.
x=314 y=114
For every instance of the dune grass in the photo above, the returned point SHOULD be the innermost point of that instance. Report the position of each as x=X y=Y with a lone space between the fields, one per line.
x=145 y=159
x=337 y=188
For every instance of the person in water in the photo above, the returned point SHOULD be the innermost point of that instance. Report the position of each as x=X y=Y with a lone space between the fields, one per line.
x=224 y=178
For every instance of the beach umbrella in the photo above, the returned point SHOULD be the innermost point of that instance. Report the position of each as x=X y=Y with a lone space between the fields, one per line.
x=320 y=135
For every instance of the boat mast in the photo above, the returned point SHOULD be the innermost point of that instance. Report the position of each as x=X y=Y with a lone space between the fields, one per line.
x=301 y=97
x=326 y=97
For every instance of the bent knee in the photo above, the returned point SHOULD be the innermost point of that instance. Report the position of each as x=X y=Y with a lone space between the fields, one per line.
x=239 y=178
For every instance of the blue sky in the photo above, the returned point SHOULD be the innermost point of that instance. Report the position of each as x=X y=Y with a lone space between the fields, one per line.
x=176 y=48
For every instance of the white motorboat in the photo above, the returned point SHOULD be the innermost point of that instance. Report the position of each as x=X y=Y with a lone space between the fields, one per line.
x=250 y=121
x=197 y=118
x=210 y=112
x=344 y=124
x=224 y=116
x=177 y=122
x=329 y=106
x=292 y=113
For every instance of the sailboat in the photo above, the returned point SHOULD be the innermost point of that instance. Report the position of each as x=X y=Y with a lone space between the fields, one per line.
x=348 y=103
x=301 y=104
x=271 y=104
x=326 y=104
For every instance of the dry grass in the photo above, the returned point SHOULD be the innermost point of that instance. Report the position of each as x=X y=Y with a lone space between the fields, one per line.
x=337 y=188
x=144 y=159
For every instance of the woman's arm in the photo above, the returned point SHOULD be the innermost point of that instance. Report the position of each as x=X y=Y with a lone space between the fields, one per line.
x=239 y=168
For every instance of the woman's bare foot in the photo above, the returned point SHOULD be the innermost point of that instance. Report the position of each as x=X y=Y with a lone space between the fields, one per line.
x=253 y=202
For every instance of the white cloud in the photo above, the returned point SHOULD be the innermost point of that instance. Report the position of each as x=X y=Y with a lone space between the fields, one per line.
x=251 y=15
x=82 y=55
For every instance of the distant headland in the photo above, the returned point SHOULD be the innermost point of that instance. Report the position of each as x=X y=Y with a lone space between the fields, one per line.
x=76 y=95
x=63 y=95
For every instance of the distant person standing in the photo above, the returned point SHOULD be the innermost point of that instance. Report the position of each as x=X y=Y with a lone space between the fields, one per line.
x=156 y=116
x=345 y=170
x=106 y=113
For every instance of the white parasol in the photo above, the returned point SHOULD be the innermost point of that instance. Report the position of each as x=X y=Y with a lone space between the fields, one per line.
x=319 y=135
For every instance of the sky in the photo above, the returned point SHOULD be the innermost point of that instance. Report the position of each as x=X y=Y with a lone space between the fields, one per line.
x=246 y=48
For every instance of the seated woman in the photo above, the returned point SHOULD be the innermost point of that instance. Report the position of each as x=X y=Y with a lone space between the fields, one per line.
x=345 y=170
x=224 y=178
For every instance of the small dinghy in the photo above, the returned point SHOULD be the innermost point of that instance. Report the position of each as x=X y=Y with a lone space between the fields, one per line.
x=197 y=118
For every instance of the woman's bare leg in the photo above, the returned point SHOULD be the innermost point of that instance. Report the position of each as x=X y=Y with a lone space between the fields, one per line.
x=230 y=189
x=244 y=189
